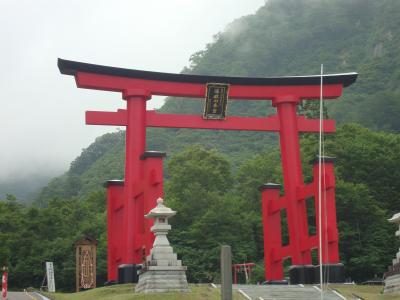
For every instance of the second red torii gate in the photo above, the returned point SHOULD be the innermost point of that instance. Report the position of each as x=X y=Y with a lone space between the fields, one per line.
x=138 y=86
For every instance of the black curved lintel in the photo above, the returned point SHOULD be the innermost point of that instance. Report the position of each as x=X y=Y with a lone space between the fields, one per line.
x=326 y=159
x=148 y=154
x=269 y=186
x=69 y=67
x=113 y=182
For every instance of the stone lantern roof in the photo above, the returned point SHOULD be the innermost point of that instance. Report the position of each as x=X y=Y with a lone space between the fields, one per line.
x=160 y=211
x=395 y=219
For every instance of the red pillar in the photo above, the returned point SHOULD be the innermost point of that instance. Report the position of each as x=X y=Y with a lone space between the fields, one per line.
x=134 y=169
x=153 y=189
x=330 y=236
x=271 y=217
x=293 y=178
x=115 y=214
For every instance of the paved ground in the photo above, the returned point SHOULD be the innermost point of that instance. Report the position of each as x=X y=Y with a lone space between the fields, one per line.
x=287 y=292
x=22 y=296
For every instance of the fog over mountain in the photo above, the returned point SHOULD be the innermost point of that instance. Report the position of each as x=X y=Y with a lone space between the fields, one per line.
x=42 y=114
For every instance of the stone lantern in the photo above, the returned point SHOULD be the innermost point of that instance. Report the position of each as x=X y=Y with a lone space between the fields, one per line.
x=163 y=272
x=392 y=277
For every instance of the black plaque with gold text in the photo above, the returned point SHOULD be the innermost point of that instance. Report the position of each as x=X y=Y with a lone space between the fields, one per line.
x=216 y=101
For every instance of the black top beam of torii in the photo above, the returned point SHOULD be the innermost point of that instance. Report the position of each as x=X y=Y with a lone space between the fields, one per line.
x=69 y=67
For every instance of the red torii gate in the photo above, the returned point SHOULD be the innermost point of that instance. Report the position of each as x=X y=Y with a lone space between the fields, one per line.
x=245 y=267
x=129 y=199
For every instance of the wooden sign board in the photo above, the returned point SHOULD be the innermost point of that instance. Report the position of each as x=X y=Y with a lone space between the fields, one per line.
x=86 y=263
x=216 y=101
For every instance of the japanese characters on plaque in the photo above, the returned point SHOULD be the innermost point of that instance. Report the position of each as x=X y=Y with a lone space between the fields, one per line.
x=216 y=101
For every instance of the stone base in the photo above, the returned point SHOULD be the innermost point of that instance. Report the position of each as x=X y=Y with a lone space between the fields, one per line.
x=392 y=284
x=333 y=273
x=127 y=273
x=309 y=274
x=111 y=282
x=302 y=274
x=159 y=280
x=275 y=282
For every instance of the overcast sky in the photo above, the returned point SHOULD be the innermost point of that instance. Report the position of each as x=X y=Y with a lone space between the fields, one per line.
x=42 y=111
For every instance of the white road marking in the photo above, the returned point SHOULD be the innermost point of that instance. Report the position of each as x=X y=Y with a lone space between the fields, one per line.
x=244 y=294
x=339 y=295
x=317 y=288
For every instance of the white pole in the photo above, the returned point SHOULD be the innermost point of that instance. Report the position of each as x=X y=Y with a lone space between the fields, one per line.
x=321 y=116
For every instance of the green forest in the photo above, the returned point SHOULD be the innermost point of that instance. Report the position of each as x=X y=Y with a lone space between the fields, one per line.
x=211 y=177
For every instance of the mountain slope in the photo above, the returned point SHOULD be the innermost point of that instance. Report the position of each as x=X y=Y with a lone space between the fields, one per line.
x=294 y=37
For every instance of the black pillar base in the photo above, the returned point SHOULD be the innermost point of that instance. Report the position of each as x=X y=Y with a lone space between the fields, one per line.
x=111 y=282
x=275 y=282
x=127 y=274
x=332 y=273
x=302 y=274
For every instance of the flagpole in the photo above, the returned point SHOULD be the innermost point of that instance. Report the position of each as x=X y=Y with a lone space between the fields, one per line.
x=321 y=116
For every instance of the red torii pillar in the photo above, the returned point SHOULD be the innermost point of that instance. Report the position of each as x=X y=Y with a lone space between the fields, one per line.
x=138 y=86
x=293 y=177
x=134 y=169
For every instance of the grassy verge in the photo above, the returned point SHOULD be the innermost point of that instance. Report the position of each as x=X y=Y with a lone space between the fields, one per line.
x=125 y=292
x=205 y=292
x=367 y=292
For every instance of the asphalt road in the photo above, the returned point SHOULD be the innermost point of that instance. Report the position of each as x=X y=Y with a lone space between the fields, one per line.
x=22 y=296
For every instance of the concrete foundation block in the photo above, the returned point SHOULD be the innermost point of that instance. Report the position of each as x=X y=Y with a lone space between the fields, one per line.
x=392 y=284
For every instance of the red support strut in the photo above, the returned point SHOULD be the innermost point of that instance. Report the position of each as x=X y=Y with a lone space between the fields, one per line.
x=330 y=236
x=153 y=189
x=115 y=217
x=271 y=216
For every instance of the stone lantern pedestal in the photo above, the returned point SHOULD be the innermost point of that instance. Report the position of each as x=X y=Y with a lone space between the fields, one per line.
x=392 y=277
x=163 y=272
